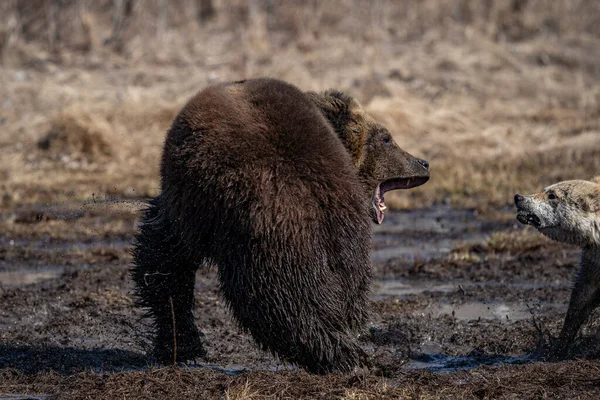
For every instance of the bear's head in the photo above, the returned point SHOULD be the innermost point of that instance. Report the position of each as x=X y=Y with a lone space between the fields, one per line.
x=382 y=165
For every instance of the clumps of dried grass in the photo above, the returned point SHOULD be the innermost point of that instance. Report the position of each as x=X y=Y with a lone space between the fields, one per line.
x=77 y=135
x=242 y=392
x=90 y=149
x=476 y=181
x=572 y=379
x=516 y=242
x=500 y=97
x=513 y=242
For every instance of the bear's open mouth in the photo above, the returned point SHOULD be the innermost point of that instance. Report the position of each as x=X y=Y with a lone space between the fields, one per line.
x=528 y=218
x=393 y=184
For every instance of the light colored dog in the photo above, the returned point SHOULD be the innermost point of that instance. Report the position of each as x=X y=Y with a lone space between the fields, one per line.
x=569 y=212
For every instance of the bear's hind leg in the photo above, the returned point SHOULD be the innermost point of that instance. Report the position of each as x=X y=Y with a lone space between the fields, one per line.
x=326 y=352
x=301 y=323
x=164 y=278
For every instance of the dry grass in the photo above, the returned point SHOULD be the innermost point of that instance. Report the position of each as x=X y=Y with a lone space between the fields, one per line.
x=513 y=242
x=77 y=136
x=539 y=380
x=501 y=96
x=242 y=392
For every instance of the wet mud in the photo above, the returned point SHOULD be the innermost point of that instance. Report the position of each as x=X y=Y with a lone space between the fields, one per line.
x=463 y=304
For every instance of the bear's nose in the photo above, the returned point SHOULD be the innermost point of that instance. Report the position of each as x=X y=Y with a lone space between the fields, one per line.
x=424 y=163
x=518 y=198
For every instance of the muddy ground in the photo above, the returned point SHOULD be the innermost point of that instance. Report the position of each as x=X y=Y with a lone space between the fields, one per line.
x=462 y=305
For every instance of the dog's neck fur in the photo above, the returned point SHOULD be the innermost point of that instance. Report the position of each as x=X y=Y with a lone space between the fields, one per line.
x=590 y=258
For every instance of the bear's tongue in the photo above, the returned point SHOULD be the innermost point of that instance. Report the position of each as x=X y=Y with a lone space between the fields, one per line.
x=392 y=184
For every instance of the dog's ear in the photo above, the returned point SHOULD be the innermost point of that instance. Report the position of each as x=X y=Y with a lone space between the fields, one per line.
x=595 y=196
x=595 y=203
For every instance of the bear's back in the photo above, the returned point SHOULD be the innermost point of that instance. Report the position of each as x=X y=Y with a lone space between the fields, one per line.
x=256 y=159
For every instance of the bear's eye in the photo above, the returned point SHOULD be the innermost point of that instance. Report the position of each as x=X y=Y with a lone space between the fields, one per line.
x=551 y=196
x=387 y=139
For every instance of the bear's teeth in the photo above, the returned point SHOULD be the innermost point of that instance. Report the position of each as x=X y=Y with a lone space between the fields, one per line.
x=382 y=207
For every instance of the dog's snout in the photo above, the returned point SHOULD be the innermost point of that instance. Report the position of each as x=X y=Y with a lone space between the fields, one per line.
x=518 y=198
x=424 y=163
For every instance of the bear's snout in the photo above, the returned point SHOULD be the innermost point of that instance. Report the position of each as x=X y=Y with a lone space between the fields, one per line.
x=424 y=163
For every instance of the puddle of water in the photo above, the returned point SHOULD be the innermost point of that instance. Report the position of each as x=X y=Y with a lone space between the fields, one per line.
x=64 y=245
x=505 y=312
x=77 y=209
x=469 y=311
x=383 y=289
x=17 y=275
x=437 y=220
x=411 y=250
x=438 y=362
x=425 y=234
x=228 y=370
x=233 y=370
x=389 y=288
x=23 y=277
x=239 y=369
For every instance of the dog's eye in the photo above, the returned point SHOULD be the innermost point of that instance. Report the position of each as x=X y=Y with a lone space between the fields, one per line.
x=551 y=196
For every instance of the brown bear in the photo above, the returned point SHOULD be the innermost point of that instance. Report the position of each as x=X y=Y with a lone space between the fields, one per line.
x=276 y=188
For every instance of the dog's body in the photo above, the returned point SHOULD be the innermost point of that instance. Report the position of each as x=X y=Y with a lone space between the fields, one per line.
x=569 y=212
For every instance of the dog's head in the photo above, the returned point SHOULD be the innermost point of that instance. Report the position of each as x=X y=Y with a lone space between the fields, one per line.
x=567 y=212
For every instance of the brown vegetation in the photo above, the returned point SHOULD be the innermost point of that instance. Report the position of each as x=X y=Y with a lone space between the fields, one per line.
x=500 y=96
x=77 y=136
x=524 y=382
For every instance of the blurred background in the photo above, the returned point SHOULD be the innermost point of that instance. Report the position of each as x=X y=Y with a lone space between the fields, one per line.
x=499 y=95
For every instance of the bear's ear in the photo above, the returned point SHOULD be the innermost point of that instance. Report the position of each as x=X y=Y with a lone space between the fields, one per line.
x=334 y=104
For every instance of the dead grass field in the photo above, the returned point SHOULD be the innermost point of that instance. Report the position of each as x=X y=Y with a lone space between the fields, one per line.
x=500 y=97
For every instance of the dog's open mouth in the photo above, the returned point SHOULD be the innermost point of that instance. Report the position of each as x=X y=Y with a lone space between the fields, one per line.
x=528 y=218
x=393 y=184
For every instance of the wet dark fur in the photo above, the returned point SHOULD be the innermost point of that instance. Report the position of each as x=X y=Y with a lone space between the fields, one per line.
x=256 y=181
